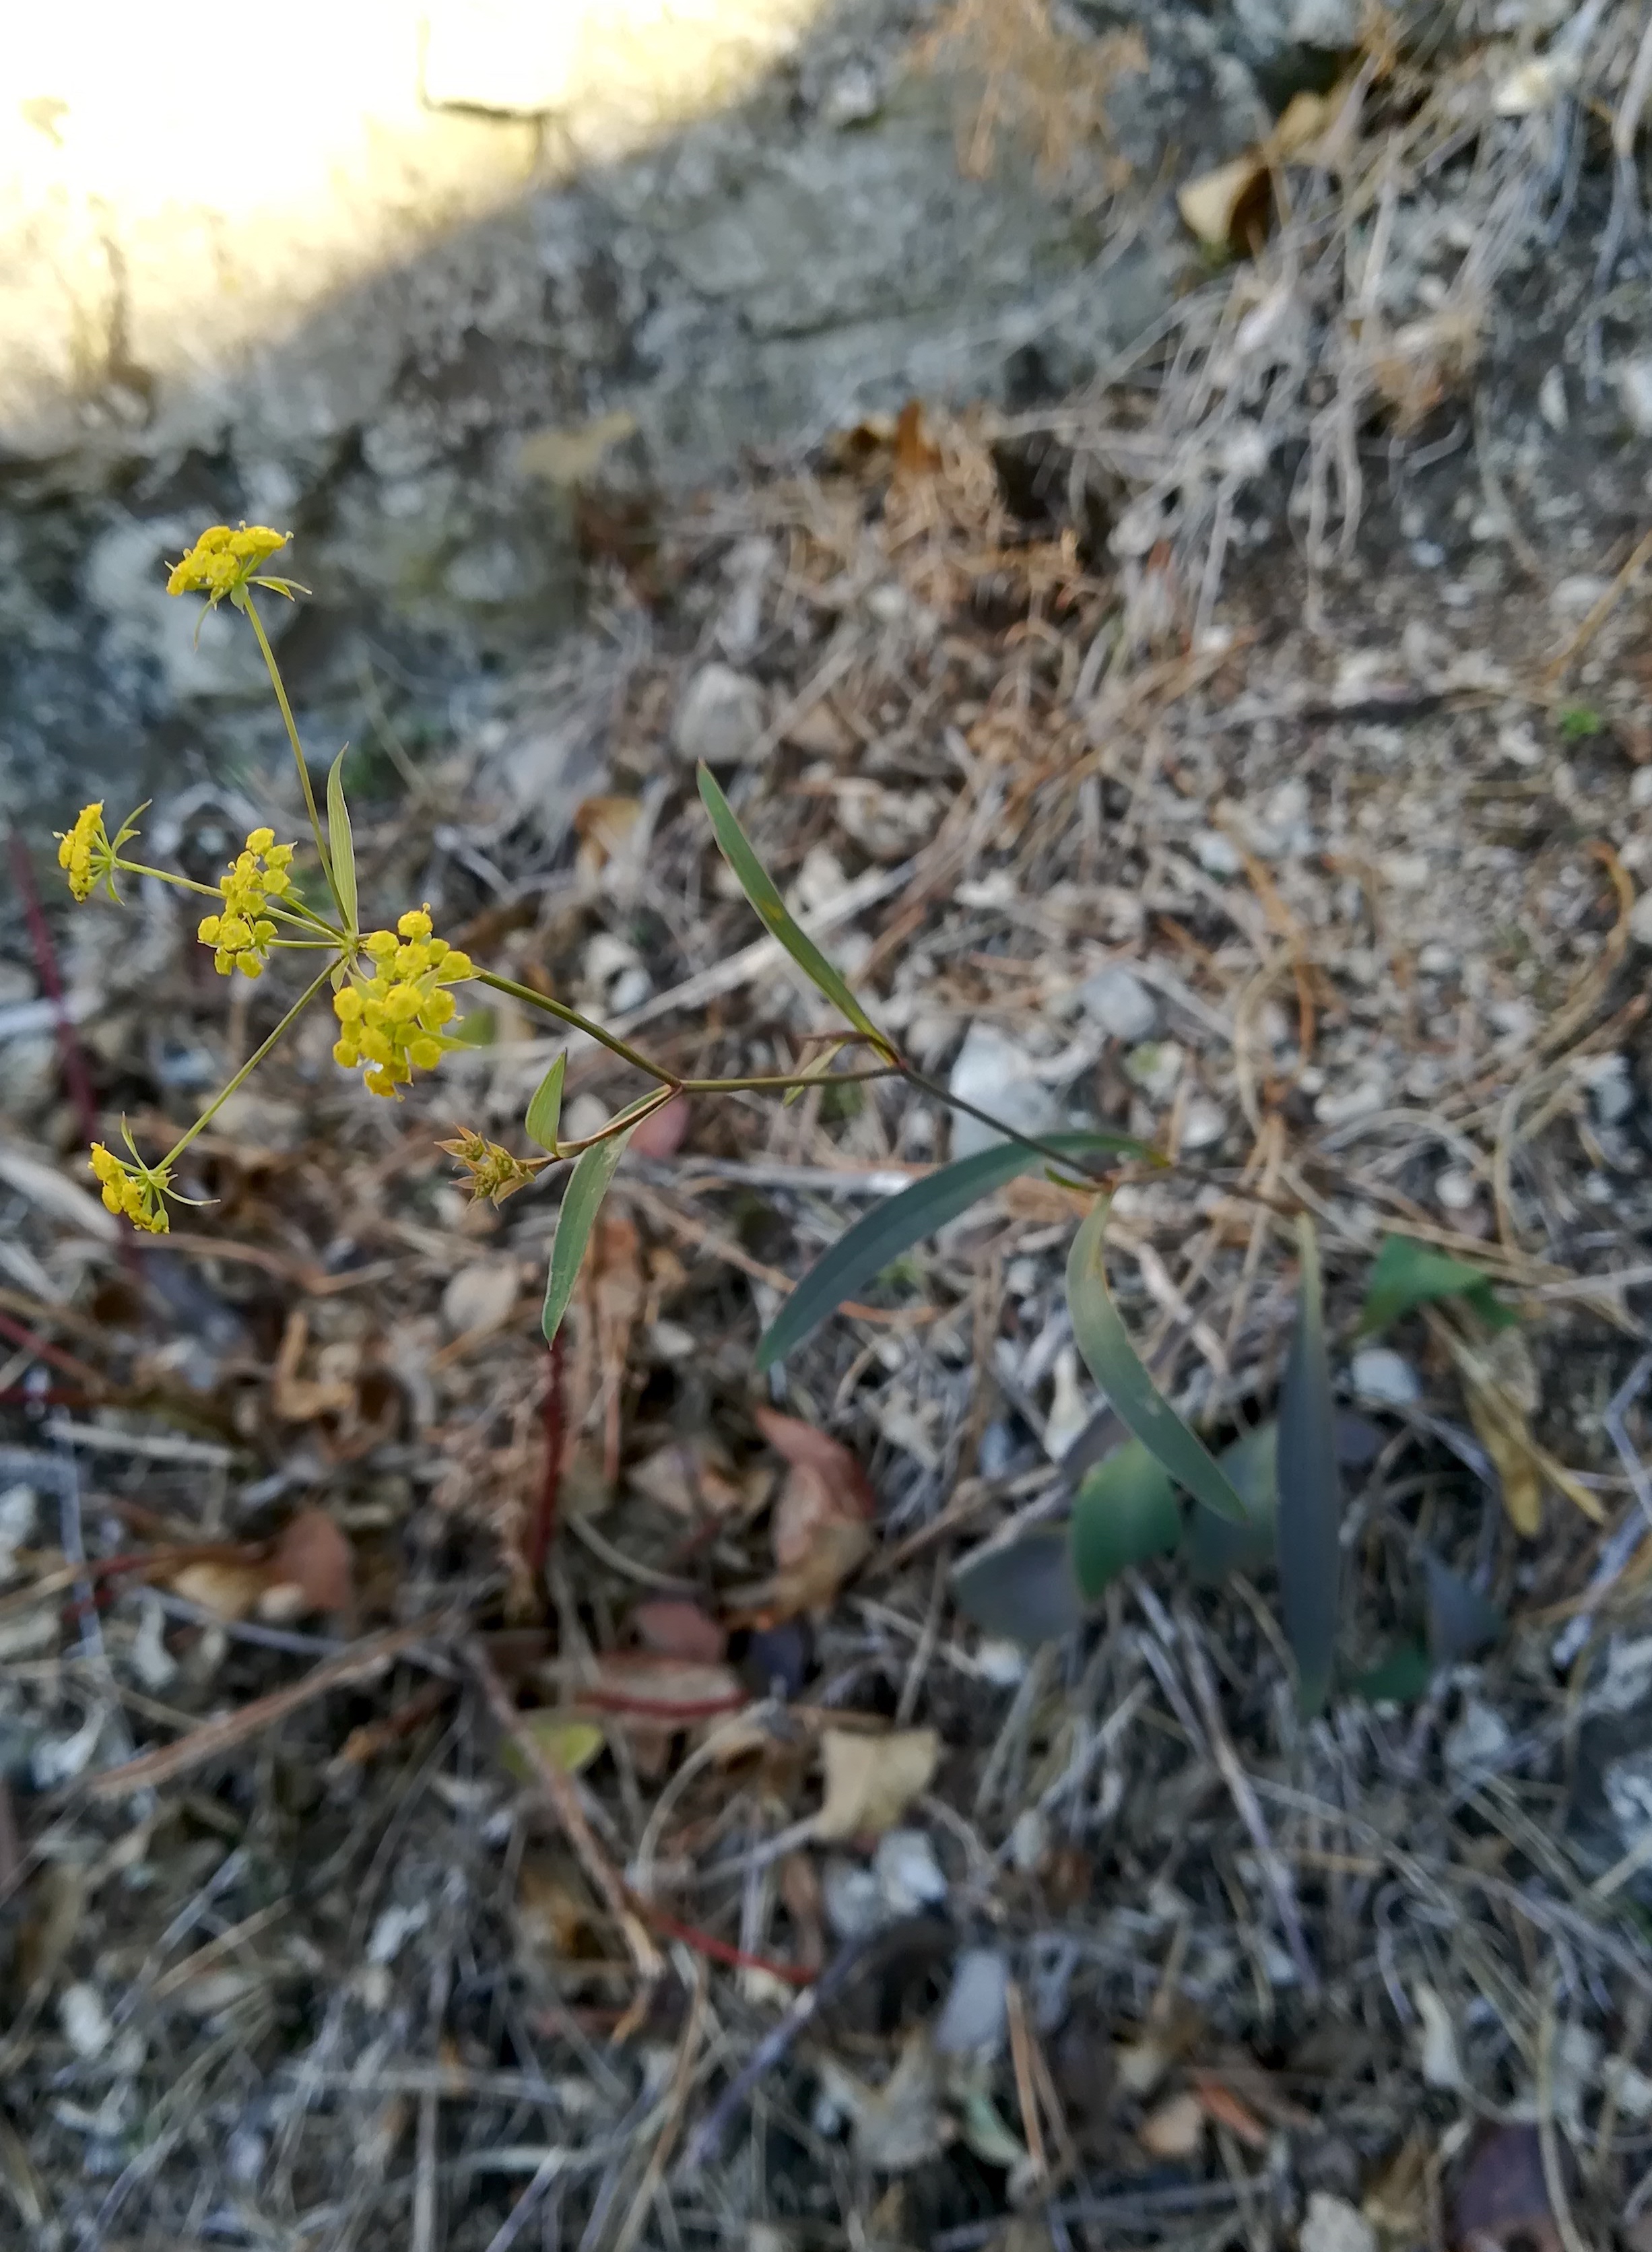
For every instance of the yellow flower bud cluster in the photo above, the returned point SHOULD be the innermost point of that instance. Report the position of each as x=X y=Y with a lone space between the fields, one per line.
x=86 y=852
x=242 y=936
x=222 y=560
x=391 y=1022
x=135 y=1190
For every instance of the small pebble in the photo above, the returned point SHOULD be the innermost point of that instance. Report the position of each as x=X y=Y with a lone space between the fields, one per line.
x=907 y=1872
x=1119 y=1004
x=972 y=2017
x=721 y=718
x=852 y=1899
x=1204 y=1123
x=1480 y=1740
x=1216 y=854
x=1383 y=1377
x=1456 y=1189
x=1331 y=2225
x=85 y=2021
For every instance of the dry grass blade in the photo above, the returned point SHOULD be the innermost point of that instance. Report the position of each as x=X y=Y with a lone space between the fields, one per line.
x=1310 y=1497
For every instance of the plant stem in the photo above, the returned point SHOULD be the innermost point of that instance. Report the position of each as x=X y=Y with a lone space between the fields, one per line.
x=246 y=1069
x=244 y=602
x=273 y=908
x=1064 y=1161
x=566 y=1016
x=799 y=1079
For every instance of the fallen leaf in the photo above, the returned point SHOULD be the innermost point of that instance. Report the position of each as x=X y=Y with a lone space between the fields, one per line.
x=652 y=1686
x=1174 y=2130
x=822 y=1520
x=300 y=1400
x=899 y=2126
x=228 y=1590
x=567 y=455
x=1224 y=2108
x=1500 y=1382
x=603 y=826
x=1502 y=2201
x=692 y=1477
x=870 y=1781
x=566 y=1742
x=677 y=1627
x=1440 y=2065
x=916 y=452
x=1397 y=2204
x=660 y=1133
x=313 y=1556
x=1211 y=204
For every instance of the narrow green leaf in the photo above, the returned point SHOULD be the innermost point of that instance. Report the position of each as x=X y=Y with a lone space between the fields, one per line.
x=587 y=1185
x=759 y=888
x=1216 y=1546
x=1133 y=1397
x=1408 y=1274
x=1023 y=1590
x=1124 y=1511
x=340 y=849
x=1309 y=1497
x=879 y=1236
x=545 y=1112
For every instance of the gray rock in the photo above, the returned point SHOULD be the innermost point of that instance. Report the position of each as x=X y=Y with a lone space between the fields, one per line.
x=1382 y=1378
x=721 y=718
x=972 y=2016
x=1120 y=1002
x=993 y=1072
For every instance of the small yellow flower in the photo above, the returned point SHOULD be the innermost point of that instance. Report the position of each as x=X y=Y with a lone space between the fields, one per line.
x=137 y=1190
x=86 y=851
x=223 y=562
x=493 y=1173
x=390 y=1021
x=240 y=936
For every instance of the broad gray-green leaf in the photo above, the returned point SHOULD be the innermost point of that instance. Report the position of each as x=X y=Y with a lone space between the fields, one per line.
x=1461 y=1622
x=1215 y=1544
x=340 y=849
x=587 y=1185
x=760 y=889
x=545 y=1112
x=1311 y=1505
x=895 y=1224
x=1023 y=1590
x=1133 y=1397
x=1124 y=1511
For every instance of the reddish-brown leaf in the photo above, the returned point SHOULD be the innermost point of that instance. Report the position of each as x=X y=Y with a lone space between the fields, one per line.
x=1224 y=2108
x=660 y=1133
x=650 y=1686
x=822 y=1520
x=313 y=1555
x=1502 y=2203
x=676 y=1628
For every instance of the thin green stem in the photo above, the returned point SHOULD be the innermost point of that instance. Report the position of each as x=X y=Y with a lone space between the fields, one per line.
x=560 y=1011
x=800 y=1079
x=1064 y=1161
x=245 y=604
x=247 y=1068
x=273 y=908
x=621 y=1121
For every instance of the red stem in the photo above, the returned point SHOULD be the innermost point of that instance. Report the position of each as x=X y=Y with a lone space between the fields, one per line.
x=75 y=1076
x=544 y=1524
x=720 y=1950
x=52 y=1355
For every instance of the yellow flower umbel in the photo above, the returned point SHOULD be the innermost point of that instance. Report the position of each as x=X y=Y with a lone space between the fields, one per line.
x=137 y=1190
x=493 y=1173
x=391 y=1022
x=222 y=562
x=86 y=851
x=242 y=936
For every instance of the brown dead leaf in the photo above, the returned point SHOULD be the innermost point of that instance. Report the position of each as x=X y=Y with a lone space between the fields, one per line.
x=822 y=1520
x=1500 y=1384
x=1224 y=2108
x=1397 y=2204
x=1501 y=2202
x=603 y=826
x=227 y=1589
x=311 y=1557
x=300 y=1400
x=916 y=452
x=690 y=1475
x=654 y=1689
x=676 y=1628
x=1212 y=206
x=870 y=1781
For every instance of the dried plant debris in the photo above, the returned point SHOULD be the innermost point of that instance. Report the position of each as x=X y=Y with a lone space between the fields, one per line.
x=459 y=1790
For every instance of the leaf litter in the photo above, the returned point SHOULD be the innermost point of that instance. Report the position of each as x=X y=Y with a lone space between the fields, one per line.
x=1234 y=678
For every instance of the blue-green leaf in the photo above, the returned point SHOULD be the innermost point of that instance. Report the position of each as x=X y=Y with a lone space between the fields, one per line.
x=1023 y=1590
x=761 y=890
x=545 y=1112
x=1124 y=1511
x=341 y=850
x=1311 y=1505
x=1216 y=1545
x=895 y=1224
x=1132 y=1395
x=587 y=1185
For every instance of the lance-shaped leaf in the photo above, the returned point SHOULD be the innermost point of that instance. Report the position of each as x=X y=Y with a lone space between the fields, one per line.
x=340 y=849
x=1408 y=1274
x=1124 y=1511
x=893 y=1225
x=1025 y=1589
x=545 y=1112
x=587 y=1185
x=1309 y=1499
x=1215 y=1544
x=1133 y=1395
x=760 y=889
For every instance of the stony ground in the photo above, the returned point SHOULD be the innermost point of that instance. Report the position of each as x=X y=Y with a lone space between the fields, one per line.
x=457 y=1795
